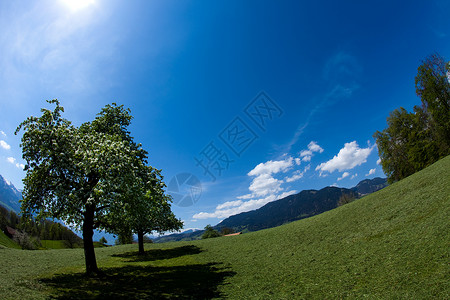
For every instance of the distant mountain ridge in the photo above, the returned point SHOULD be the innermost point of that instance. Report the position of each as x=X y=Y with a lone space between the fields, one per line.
x=305 y=204
x=9 y=195
x=369 y=186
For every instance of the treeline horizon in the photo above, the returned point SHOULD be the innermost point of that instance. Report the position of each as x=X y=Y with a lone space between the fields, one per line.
x=28 y=233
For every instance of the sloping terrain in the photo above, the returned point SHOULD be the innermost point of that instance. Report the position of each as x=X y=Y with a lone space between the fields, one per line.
x=392 y=244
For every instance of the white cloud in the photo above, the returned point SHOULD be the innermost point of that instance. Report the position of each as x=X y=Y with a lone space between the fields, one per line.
x=244 y=197
x=304 y=153
x=4 y=145
x=2 y=133
x=307 y=168
x=264 y=187
x=296 y=176
x=354 y=175
x=345 y=174
x=229 y=204
x=348 y=157
x=307 y=154
x=265 y=184
x=314 y=147
x=379 y=161
x=12 y=160
x=203 y=215
x=371 y=171
x=306 y=158
x=272 y=167
x=245 y=206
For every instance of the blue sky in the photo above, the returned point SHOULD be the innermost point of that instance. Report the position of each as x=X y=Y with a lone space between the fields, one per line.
x=322 y=75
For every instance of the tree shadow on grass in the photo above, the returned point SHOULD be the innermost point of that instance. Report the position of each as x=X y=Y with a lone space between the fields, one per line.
x=159 y=254
x=196 y=281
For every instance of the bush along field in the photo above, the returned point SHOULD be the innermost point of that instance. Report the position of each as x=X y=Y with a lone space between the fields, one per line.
x=393 y=244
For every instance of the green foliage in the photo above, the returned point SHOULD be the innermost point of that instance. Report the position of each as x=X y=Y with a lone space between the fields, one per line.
x=83 y=176
x=226 y=230
x=71 y=169
x=345 y=199
x=25 y=241
x=4 y=218
x=147 y=240
x=433 y=87
x=148 y=209
x=41 y=230
x=124 y=238
x=210 y=232
x=103 y=240
x=413 y=141
x=392 y=244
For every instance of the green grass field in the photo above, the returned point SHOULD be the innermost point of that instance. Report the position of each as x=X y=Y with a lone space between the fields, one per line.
x=61 y=244
x=53 y=244
x=393 y=244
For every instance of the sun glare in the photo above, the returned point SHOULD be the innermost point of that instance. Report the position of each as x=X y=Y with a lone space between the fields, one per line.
x=76 y=5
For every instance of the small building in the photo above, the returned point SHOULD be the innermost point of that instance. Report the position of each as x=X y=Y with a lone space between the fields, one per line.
x=233 y=234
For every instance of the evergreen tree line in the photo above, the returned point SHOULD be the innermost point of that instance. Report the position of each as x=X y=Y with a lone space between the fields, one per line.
x=415 y=140
x=28 y=233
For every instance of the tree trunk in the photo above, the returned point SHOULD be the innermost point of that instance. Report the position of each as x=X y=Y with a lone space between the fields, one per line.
x=141 y=241
x=88 y=233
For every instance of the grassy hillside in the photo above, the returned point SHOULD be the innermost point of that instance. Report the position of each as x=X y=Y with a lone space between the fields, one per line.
x=7 y=242
x=393 y=244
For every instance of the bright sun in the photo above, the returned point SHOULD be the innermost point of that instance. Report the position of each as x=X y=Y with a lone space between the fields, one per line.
x=76 y=5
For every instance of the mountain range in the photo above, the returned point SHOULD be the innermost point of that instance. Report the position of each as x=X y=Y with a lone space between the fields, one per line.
x=9 y=195
x=305 y=204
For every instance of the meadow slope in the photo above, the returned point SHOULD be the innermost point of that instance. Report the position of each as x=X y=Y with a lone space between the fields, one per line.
x=391 y=244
